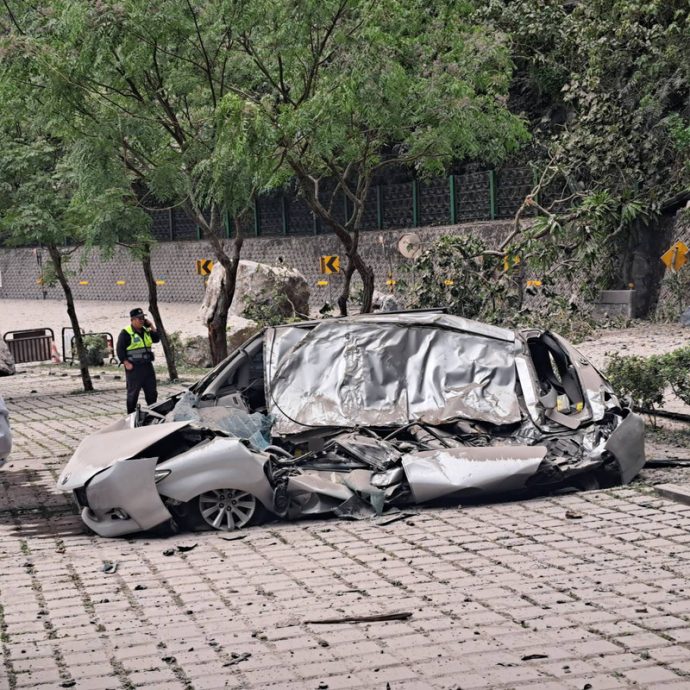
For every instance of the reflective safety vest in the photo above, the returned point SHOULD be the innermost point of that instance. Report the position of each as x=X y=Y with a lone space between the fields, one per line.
x=139 y=348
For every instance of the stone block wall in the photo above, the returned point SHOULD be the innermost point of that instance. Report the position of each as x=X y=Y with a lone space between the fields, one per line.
x=121 y=278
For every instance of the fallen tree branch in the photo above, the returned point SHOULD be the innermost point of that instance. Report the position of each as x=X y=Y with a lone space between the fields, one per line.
x=679 y=416
x=399 y=616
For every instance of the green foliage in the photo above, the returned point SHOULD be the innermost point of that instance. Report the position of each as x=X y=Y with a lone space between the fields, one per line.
x=456 y=274
x=639 y=378
x=96 y=349
x=676 y=370
x=271 y=306
x=646 y=379
x=468 y=278
x=605 y=86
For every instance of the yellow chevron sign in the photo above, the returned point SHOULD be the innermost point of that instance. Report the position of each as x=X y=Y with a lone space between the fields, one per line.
x=330 y=264
x=676 y=257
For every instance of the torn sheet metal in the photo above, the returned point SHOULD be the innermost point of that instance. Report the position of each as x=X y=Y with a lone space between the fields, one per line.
x=470 y=471
x=345 y=374
x=626 y=443
x=106 y=447
x=124 y=499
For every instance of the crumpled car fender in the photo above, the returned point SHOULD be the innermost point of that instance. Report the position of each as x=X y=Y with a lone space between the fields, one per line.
x=470 y=471
x=222 y=463
x=127 y=485
x=626 y=443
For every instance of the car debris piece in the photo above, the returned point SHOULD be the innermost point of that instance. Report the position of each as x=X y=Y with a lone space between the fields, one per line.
x=572 y=515
x=397 y=616
x=357 y=416
x=390 y=519
x=234 y=537
x=109 y=567
x=179 y=549
x=237 y=658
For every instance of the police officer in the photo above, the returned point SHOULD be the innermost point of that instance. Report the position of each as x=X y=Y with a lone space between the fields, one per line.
x=134 y=351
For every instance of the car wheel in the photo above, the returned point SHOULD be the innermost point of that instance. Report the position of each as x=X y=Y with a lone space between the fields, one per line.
x=229 y=509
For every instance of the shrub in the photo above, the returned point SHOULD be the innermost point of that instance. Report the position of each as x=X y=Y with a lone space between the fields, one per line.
x=639 y=378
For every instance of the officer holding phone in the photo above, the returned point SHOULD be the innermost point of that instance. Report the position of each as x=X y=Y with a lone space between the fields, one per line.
x=134 y=352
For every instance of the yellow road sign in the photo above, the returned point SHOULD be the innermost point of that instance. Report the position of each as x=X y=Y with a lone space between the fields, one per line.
x=119 y=282
x=160 y=282
x=330 y=264
x=676 y=257
x=204 y=267
x=83 y=282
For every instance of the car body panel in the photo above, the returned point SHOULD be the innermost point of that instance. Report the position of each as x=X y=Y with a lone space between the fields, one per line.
x=626 y=443
x=221 y=463
x=110 y=445
x=344 y=374
x=470 y=471
x=126 y=486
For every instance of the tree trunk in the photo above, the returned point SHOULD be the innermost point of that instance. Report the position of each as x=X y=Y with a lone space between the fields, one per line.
x=345 y=292
x=349 y=241
x=155 y=313
x=56 y=258
x=218 y=323
x=367 y=275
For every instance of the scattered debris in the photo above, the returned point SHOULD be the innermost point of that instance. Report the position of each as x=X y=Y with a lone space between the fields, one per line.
x=179 y=549
x=68 y=683
x=388 y=519
x=139 y=588
x=237 y=657
x=530 y=657
x=109 y=567
x=572 y=515
x=668 y=462
x=234 y=537
x=398 y=616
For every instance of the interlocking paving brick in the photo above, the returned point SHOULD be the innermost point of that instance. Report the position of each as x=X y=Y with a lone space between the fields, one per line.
x=506 y=595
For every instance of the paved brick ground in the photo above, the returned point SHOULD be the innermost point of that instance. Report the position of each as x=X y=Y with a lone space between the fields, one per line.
x=513 y=595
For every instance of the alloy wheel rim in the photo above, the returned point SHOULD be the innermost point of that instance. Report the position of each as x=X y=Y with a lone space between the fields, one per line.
x=227 y=509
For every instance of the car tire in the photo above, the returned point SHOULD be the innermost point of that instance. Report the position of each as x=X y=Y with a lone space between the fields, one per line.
x=229 y=509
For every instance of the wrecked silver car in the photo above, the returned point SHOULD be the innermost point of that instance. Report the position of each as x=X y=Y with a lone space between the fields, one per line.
x=356 y=416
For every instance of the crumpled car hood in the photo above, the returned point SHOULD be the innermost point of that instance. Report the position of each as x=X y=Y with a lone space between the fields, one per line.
x=430 y=368
x=110 y=445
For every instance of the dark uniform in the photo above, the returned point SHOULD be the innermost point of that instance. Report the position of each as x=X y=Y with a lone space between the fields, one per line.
x=134 y=345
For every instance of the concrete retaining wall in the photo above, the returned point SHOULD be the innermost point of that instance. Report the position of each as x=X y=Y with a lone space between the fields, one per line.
x=121 y=278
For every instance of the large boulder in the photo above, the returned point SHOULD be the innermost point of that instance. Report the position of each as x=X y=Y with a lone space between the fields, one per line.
x=196 y=352
x=7 y=367
x=385 y=301
x=284 y=289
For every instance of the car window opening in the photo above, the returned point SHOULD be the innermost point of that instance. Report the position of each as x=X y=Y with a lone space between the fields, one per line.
x=556 y=373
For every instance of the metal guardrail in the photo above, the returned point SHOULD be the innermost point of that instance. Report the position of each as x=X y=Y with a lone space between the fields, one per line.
x=32 y=345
